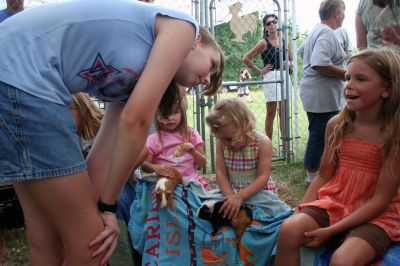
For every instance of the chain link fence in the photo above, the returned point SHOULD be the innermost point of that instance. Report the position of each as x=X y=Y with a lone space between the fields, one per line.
x=237 y=26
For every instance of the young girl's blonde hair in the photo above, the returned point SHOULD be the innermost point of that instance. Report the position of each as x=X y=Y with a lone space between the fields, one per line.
x=385 y=62
x=90 y=115
x=232 y=112
x=166 y=108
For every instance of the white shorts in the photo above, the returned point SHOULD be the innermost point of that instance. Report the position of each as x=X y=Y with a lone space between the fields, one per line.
x=243 y=90
x=272 y=91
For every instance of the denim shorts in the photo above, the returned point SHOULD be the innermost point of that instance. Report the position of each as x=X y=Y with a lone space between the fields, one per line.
x=316 y=136
x=38 y=138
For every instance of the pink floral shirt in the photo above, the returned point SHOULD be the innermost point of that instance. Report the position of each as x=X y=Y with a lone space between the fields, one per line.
x=168 y=152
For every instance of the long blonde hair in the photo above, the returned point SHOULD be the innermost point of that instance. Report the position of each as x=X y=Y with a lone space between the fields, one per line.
x=386 y=63
x=90 y=115
x=232 y=112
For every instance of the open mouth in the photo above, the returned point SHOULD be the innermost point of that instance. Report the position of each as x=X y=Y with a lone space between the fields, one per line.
x=352 y=97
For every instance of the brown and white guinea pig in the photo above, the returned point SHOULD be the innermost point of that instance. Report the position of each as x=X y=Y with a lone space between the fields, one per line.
x=209 y=211
x=165 y=187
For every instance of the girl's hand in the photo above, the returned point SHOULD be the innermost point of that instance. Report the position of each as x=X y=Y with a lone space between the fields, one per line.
x=231 y=205
x=187 y=147
x=317 y=237
x=108 y=238
x=163 y=170
x=266 y=69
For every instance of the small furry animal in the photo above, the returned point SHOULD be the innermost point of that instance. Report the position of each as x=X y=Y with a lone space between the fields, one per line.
x=165 y=187
x=209 y=210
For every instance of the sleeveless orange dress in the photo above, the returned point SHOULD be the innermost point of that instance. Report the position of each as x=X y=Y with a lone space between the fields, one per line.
x=354 y=183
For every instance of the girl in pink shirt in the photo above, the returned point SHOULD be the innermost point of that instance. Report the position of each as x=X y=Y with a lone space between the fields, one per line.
x=175 y=144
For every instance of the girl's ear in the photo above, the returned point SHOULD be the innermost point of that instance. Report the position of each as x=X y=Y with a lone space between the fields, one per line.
x=386 y=94
x=198 y=39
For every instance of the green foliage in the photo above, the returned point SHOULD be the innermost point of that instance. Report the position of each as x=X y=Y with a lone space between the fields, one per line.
x=234 y=51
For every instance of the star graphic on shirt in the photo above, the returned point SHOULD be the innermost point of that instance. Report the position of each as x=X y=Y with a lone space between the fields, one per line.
x=98 y=72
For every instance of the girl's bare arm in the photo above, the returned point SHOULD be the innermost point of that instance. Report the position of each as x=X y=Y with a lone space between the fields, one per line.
x=361 y=33
x=199 y=155
x=221 y=171
x=174 y=39
x=248 y=58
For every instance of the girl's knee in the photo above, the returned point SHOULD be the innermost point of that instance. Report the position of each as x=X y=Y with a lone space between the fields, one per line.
x=343 y=259
x=291 y=231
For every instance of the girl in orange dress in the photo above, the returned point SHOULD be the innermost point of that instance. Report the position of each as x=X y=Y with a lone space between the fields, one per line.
x=355 y=198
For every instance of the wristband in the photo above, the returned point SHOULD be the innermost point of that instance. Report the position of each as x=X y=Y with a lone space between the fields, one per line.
x=103 y=207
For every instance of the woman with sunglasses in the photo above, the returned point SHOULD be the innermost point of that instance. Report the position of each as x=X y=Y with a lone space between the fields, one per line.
x=268 y=48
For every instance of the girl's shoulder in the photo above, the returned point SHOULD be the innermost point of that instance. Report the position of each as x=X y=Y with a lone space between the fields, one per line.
x=194 y=136
x=333 y=122
x=260 y=138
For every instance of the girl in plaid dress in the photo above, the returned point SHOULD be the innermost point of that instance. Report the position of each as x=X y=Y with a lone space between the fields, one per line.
x=243 y=156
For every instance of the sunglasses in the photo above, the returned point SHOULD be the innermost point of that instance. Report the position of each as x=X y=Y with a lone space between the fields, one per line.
x=271 y=22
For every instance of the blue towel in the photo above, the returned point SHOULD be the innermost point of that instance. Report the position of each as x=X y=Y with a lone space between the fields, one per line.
x=391 y=258
x=176 y=236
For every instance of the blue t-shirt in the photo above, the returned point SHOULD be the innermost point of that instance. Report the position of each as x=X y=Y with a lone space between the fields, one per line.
x=96 y=46
x=4 y=14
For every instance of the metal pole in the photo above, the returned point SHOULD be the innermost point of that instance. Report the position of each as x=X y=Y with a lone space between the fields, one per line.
x=286 y=126
x=212 y=100
x=295 y=82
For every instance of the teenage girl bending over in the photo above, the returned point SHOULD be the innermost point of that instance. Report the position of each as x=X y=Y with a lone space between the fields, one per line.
x=243 y=157
x=355 y=197
x=175 y=144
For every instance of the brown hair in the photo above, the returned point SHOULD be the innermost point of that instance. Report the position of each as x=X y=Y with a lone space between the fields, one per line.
x=170 y=104
x=264 y=21
x=216 y=79
x=89 y=114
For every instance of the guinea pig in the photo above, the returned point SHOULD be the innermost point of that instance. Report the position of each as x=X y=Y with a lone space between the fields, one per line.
x=165 y=187
x=209 y=211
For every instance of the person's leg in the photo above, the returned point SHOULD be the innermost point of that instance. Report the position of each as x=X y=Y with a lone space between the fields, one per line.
x=282 y=121
x=291 y=238
x=367 y=242
x=62 y=218
x=247 y=94
x=291 y=233
x=240 y=92
x=269 y=118
x=361 y=253
x=315 y=145
x=45 y=245
x=40 y=154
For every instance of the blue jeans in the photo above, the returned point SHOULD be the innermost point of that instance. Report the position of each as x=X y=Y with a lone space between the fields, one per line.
x=316 y=136
x=38 y=138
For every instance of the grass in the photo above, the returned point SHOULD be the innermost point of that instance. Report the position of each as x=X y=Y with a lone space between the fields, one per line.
x=288 y=177
x=13 y=247
x=290 y=180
